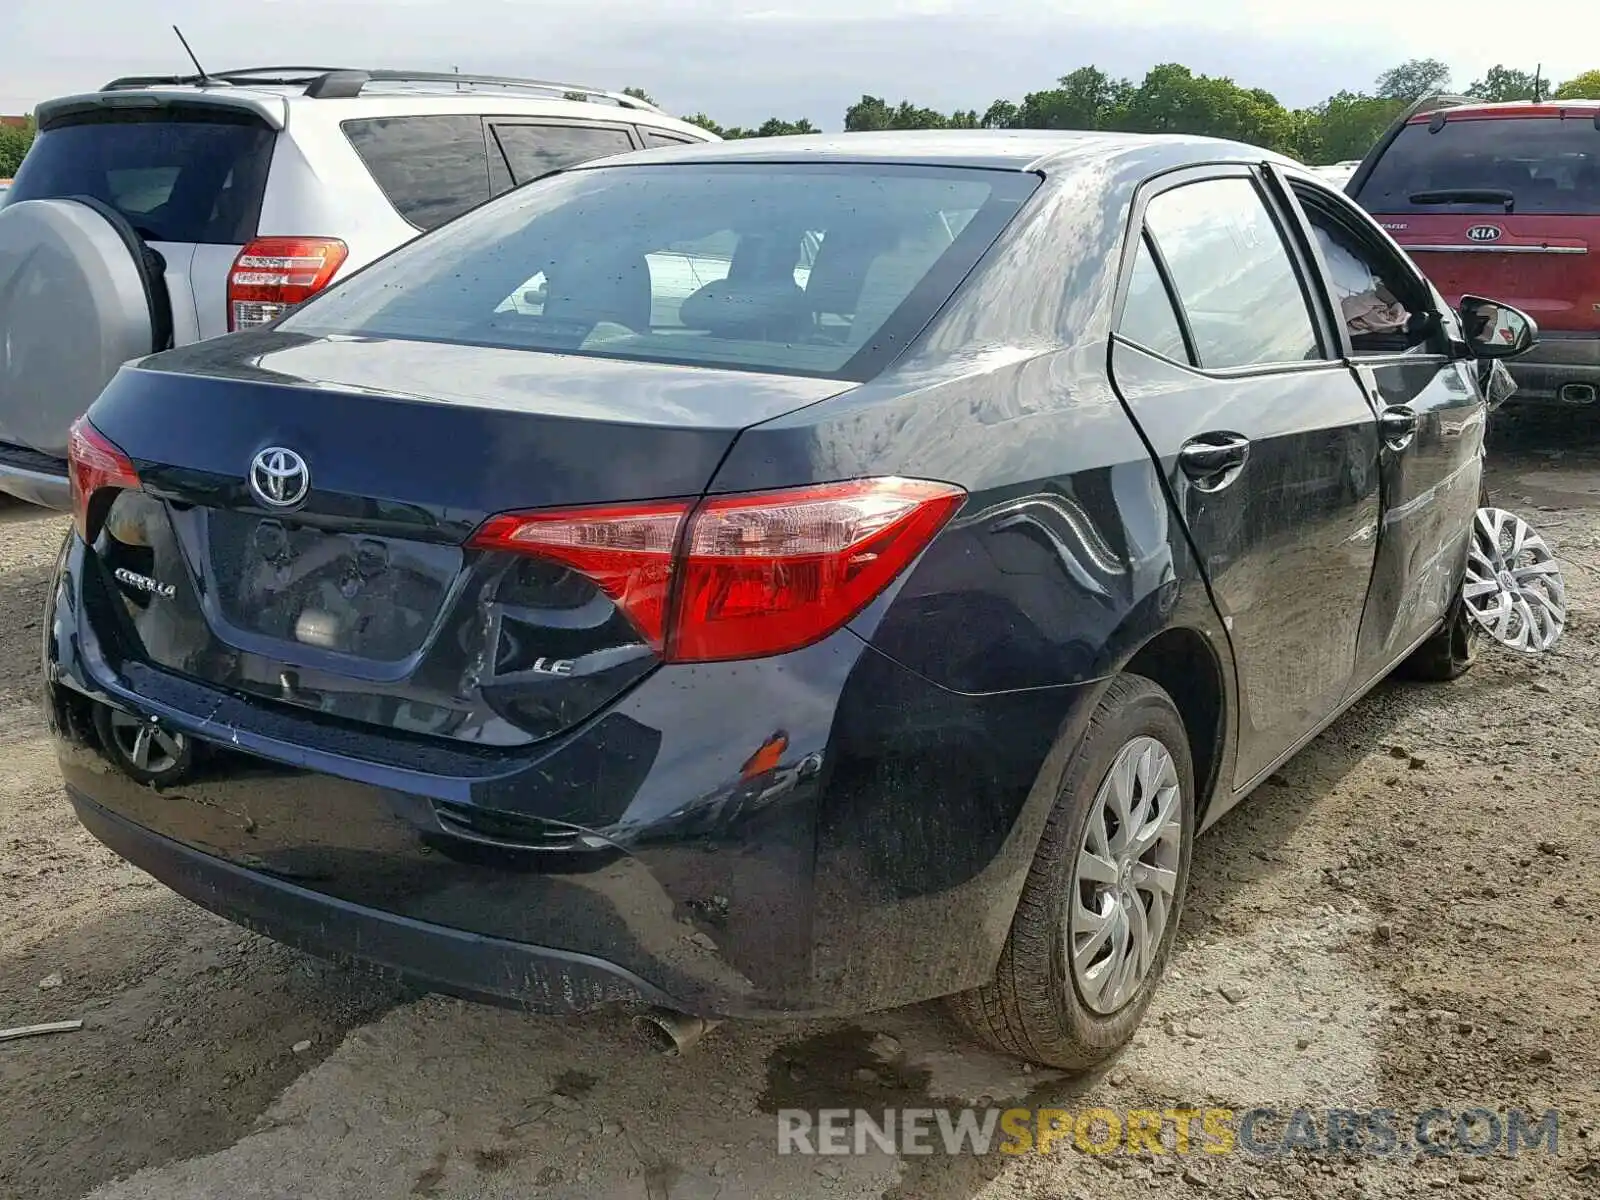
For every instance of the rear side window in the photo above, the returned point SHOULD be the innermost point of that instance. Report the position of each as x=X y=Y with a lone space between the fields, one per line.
x=1148 y=317
x=825 y=270
x=654 y=137
x=431 y=168
x=1233 y=275
x=1548 y=165
x=535 y=150
x=177 y=175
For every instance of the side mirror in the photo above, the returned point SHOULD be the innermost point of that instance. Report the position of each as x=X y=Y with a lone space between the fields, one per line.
x=1495 y=330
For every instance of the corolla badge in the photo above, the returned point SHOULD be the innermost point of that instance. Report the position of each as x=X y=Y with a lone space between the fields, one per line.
x=145 y=584
x=1484 y=233
x=279 y=478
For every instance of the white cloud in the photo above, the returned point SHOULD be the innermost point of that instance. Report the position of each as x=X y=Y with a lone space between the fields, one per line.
x=742 y=60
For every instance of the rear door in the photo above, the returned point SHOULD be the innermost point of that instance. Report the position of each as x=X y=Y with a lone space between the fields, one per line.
x=1531 y=235
x=1267 y=442
x=1431 y=424
x=188 y=176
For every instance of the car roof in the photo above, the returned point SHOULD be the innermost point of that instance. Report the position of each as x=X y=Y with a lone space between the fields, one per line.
x=271 y=93
x=1511 y=108
x=988 y=149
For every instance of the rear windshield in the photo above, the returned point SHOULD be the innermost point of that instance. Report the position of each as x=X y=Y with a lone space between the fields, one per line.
x=820 y=270
x=178 y=176
x=1549 y=165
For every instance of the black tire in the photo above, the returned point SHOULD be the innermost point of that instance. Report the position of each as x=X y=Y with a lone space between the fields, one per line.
x=1032 y=1008
x=152 y=272
x=1449 y=653
x=167 y=764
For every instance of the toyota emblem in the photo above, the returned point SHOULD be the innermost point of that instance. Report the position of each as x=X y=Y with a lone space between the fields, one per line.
x=279 y=478
x=1484 y=233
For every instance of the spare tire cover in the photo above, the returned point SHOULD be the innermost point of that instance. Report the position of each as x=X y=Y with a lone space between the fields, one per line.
x=74 y=306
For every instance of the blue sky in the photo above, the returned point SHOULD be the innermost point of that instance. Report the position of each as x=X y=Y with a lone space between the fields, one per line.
x=744 y=60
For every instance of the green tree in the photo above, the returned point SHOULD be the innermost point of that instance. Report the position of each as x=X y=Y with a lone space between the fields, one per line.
x=873 y=112
x=1413 y=79
x=1584 y=87
x=777 y=127
x=639 y=94
x=1505 y=83
x=771 y=127
x=1345 y=125
x=707 y=124
x=14 y=143
x=1087 y=98
x=1002 y=114
x=1173 y=99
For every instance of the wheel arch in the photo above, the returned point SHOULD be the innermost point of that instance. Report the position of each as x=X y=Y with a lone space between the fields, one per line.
x=1185 y=664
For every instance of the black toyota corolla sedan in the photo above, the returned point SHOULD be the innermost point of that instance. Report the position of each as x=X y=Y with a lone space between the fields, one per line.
x=782 y=577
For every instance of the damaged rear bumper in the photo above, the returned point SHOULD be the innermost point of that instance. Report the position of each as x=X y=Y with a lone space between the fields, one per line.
x=872 y=859
x=453 y=961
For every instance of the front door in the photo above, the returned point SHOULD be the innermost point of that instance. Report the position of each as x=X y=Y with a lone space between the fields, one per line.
x=1431 y=425
x=1268 y=445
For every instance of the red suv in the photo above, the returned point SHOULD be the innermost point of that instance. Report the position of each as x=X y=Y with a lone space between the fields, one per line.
x=1503 y=200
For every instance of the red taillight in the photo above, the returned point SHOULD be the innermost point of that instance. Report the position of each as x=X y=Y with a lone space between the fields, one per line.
x=625 y=549
x=273 y=274
x=744 y=576
x=93 y=463
x=768 y=573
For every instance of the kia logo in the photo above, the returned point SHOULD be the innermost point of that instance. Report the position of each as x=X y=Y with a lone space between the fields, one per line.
x=1484 y=233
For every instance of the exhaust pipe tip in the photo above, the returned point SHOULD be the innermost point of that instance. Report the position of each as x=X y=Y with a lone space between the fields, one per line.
x=670 y=1033
x=1578 y=393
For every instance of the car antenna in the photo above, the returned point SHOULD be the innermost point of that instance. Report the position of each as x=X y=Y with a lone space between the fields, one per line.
x=200 y=71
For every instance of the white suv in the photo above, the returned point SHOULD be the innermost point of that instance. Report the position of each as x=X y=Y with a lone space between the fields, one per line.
x=159 y=211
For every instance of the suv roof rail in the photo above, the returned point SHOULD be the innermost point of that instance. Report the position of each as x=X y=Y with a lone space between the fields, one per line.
x=334 y=83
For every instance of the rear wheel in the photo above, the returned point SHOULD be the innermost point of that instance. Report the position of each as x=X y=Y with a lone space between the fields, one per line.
x=1100 y=908
x=143 y=749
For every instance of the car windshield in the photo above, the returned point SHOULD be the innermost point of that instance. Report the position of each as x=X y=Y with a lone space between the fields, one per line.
x=820 y=270
x=1544 y=164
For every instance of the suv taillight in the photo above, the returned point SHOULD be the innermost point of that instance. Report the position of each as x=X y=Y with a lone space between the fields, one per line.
x=94 y=462
x=739 y=576
x=273 y=274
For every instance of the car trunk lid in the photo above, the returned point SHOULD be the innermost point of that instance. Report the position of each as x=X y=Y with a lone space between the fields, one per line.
x=365 y=601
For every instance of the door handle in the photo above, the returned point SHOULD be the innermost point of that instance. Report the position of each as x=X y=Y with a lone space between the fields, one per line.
x=1397 y=426
x=1214 y=460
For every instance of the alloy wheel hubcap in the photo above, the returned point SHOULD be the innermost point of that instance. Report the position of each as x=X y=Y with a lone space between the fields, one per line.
x=145 y=744
x=1125 y=878
x=1513 y=588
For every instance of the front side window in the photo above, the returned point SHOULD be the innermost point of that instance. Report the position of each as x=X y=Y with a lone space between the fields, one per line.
x=1381 y=306
x=1233 y=275
x=818 y=270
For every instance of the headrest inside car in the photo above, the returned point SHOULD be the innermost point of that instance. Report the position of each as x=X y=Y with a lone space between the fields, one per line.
x=761 y=309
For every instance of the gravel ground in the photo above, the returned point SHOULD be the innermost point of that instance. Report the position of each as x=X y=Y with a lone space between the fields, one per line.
x=1405 y=917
